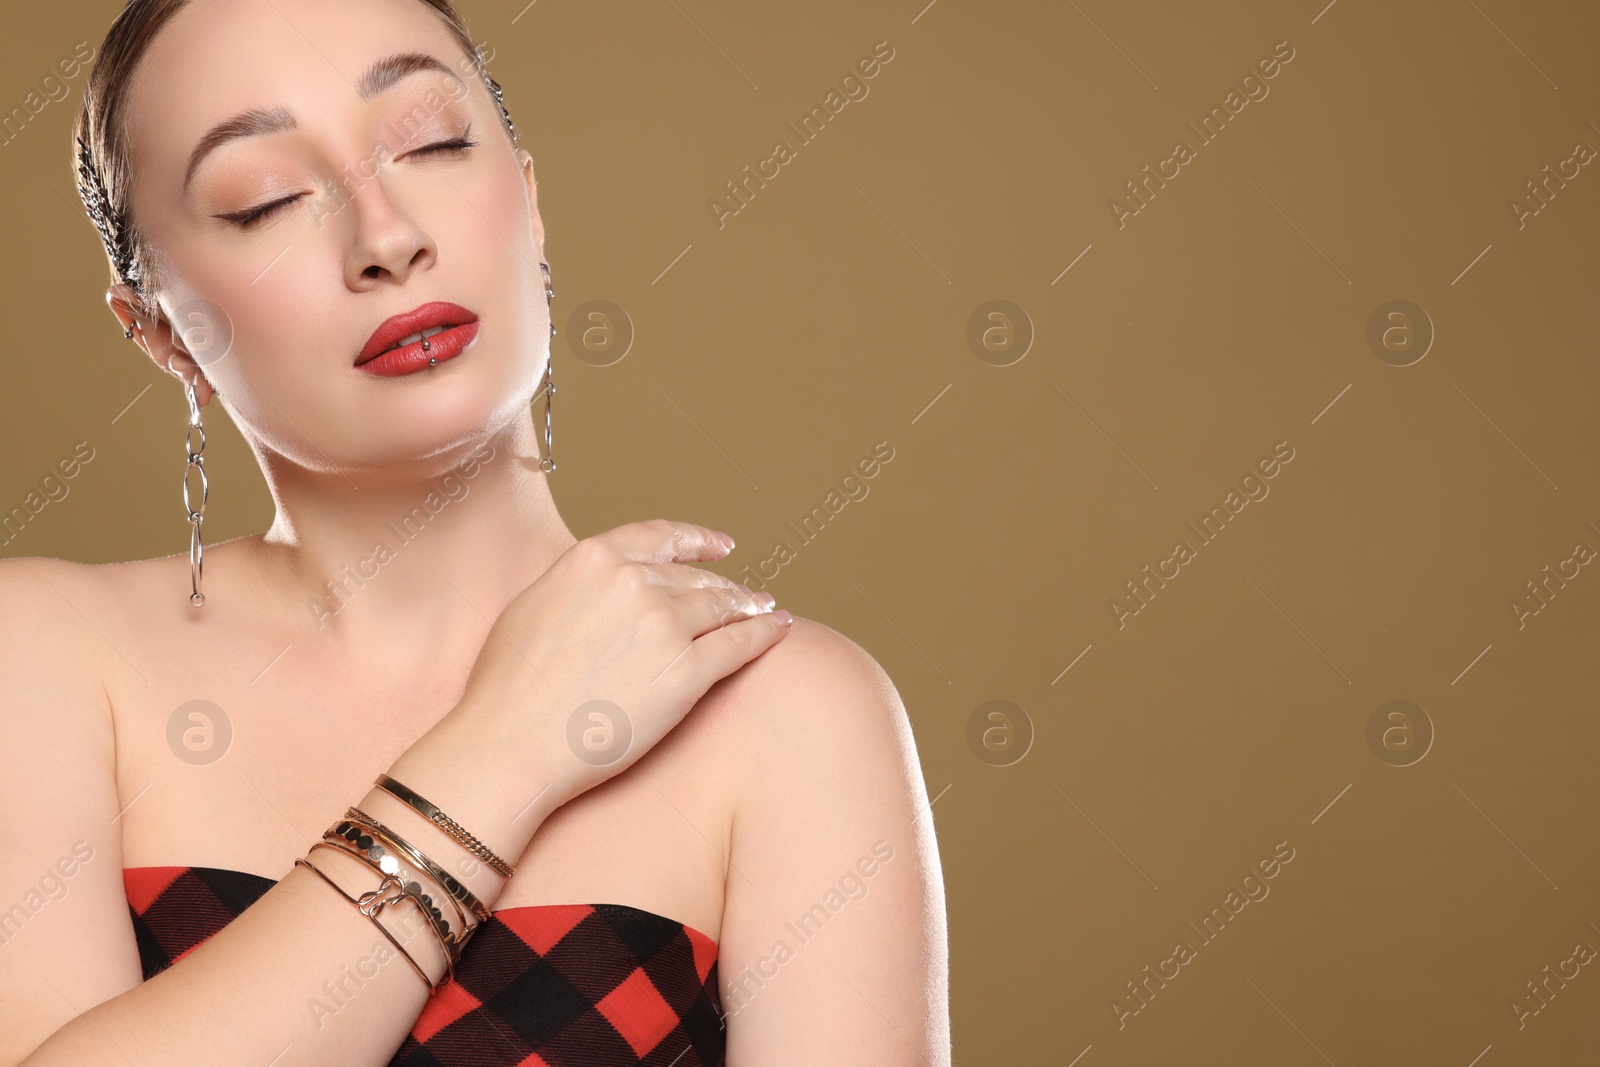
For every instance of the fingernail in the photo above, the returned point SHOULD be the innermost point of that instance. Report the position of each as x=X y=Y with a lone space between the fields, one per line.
x=783 y=616
x=726 y=539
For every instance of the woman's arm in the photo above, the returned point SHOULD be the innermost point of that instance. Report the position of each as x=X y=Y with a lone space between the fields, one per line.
x=70 y=977
x=834 y=947
x=623 y=612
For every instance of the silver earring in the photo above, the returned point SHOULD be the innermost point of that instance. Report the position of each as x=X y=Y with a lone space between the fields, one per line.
x=196 y=463
x=547 y=464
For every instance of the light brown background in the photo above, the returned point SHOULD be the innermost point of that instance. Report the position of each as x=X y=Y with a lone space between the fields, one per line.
x=1232 y=712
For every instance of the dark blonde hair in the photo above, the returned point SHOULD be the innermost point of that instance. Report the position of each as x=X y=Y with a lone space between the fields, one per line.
x=100 y=136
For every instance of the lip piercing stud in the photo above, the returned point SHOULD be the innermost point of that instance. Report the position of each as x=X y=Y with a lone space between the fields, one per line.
x=433 y=361
x=425 y=345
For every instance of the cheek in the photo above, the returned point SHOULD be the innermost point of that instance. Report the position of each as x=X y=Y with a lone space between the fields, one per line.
x=272 y=343
x=276 y=321
x=254 y=297
x=493 y=243
x=503 y=200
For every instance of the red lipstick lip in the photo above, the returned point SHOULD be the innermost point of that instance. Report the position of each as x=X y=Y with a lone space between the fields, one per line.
x=408 y=359
x=426 y=317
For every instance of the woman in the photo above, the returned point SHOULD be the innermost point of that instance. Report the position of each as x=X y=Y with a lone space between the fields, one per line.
x=579 y=802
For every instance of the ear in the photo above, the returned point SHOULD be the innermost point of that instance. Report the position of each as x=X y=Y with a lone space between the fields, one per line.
x=526 y=161
x=153 y=333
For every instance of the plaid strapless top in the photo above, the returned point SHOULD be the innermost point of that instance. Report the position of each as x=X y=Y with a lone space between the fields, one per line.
x=546 y=985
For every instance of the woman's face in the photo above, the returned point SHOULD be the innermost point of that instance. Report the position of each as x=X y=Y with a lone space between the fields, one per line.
x=381 y=208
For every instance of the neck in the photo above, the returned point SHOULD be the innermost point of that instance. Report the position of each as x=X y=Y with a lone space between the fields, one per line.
x=427 y=556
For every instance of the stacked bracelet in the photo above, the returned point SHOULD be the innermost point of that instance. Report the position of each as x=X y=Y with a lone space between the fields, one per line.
x=381 y=849
x=349 y=837
x=370 y=904
x=447 y=824
x=446 y=881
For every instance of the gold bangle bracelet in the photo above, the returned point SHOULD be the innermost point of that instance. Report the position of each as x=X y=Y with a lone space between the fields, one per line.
x=391 y=890
x=446 y=881
x=413 y=891
x=383 y=861
x=431 y=811
x=369 y=904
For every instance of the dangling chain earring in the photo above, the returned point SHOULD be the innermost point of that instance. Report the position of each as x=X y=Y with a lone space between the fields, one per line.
x=547 y=464
x=196 y=463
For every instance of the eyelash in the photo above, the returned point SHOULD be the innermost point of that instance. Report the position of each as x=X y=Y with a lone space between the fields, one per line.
x=247 y=219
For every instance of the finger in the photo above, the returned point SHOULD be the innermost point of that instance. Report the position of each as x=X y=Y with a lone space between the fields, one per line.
x=703 y=610
x=665 y=541
x=722 y=651
x=680 y=578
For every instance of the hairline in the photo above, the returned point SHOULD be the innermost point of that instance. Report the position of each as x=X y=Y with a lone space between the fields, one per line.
x=110 y=141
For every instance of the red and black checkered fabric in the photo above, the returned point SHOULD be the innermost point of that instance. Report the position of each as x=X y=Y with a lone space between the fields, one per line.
x=550 y=985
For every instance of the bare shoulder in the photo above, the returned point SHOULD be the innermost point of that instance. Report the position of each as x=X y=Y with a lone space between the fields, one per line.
x=48 y=580
x=820 y=682
x=60 y=609
x=49 y=643
x=36 y=600
x=818 y=708
x=832 y=858
x=83 y=629
x=25 y=581
x=58 y=783
x=817 y=658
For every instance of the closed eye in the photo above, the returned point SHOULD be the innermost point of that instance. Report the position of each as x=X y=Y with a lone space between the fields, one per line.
x=459 y=144
x=250 y=216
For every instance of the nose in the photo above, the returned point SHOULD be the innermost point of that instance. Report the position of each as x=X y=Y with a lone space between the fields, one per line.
x=387 y=245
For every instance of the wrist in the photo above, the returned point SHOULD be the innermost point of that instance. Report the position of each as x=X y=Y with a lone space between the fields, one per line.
x=481 y=880
x=475 y=778
x=409 y=929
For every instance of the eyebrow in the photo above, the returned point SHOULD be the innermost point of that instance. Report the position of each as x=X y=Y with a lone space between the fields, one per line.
x=380 y=77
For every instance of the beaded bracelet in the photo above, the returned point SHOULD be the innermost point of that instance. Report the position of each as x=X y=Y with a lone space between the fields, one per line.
x=446 y=823
x=373 y=902
x=349 y=838
x=449 y=943
x=446 y=881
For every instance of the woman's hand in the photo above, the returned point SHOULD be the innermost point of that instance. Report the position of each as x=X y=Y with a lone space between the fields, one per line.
x=591 y=665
